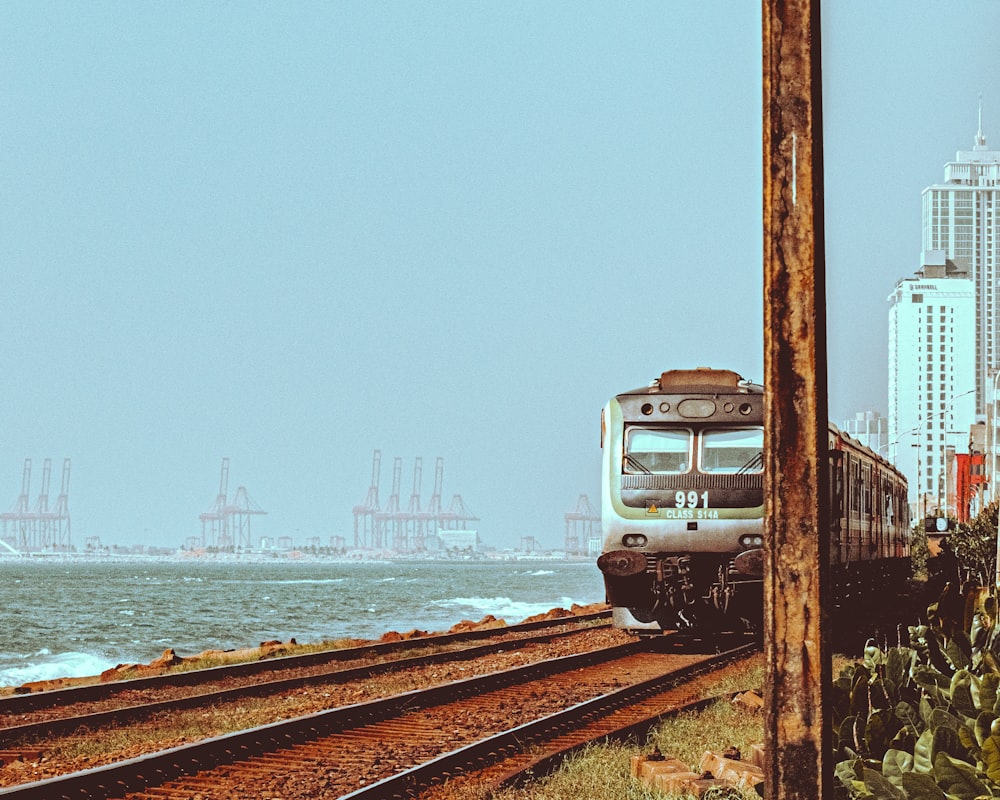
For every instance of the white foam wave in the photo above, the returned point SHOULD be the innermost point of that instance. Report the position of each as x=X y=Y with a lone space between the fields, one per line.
x=283 y=582
x=44 y=666
x=505 y=607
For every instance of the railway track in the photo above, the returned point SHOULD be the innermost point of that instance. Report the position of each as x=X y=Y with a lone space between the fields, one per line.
x=63 y=721
x=535 y=750
x=19 y=705
x=136 y=717
x=392 y=746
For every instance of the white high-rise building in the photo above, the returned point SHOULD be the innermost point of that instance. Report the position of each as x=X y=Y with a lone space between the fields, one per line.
x=961 y=217
x=869 y=428
x=932 y=375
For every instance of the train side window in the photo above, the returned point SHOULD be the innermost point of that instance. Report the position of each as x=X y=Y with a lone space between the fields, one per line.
x=661 y=452
x=855 y=486
x=738 y=451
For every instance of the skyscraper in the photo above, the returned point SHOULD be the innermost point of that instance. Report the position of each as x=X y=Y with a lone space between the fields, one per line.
x=961 y=217
x=931 y=376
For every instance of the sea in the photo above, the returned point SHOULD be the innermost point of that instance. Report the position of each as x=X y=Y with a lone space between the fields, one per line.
x=69 y=618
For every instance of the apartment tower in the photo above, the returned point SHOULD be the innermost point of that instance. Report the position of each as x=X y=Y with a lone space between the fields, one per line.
x=960 y=218
x=932 y=372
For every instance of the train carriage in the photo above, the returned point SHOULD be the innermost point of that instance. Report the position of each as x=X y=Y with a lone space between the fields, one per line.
x=683 y=507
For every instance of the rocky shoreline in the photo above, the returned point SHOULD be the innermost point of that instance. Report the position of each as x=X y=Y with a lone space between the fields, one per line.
x=169 y=661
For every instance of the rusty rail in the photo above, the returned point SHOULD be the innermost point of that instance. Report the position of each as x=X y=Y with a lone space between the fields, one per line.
x=23 y=703
x=534 y=734
x=120 y=716
x=154 y=769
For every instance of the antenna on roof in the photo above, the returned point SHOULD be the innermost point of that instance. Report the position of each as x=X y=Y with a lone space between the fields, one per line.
x=980 y=139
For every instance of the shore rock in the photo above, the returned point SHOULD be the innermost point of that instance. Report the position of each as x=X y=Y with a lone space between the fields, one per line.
x=273 y=648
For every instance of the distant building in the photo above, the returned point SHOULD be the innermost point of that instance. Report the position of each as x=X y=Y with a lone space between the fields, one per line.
x=869 y=428
x=961 y=218
x=967 y=478
x=932 y=375
x=458 y=541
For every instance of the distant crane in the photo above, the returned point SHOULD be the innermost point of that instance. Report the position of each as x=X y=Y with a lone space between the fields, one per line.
x=17 y=521
x=414 y=539
x=240 y=511
x=364 y=514
x=387 y=521
x=428 y=518
x=40 y=522
x=458 y=514
x=580 y=524
x=38 y=528
x=227 y=525
x=391 y=527
x=215 y=522
x=62 y=526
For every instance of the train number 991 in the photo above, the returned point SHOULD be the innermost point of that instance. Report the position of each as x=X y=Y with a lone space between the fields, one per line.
x=691 y=500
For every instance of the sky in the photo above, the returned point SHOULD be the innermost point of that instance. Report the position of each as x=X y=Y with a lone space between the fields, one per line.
x=292 y=234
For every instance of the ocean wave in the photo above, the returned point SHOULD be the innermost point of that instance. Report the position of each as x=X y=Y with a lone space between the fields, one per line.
x=219 y=606
x=301 y=580
x=43 y=667
x=512 y=610
x=280 y=581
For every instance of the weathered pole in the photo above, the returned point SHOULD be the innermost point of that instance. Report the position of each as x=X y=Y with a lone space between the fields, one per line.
x=796 y=571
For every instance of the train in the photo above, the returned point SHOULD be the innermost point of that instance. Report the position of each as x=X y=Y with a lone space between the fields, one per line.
x=682 y=509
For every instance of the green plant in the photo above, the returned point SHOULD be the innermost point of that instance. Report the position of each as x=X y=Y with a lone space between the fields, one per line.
x=922 y=722
x=974 y=545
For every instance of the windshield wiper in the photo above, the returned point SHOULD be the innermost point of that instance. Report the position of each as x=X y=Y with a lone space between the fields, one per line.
x=754 y=463
x=636 y=464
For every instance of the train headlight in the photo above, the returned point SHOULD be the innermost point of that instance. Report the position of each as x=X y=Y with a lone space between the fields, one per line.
x=751 y=540
x=633 y=540
x=696 y=408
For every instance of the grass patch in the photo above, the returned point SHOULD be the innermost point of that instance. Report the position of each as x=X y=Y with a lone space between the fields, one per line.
x=601 y=771
x=187 y=726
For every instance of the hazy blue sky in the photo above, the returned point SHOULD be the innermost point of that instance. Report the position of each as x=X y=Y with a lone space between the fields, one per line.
x=292 y=233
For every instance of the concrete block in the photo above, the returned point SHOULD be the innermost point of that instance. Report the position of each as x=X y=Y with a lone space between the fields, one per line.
x=751 y=701
x=650 y=769
x=684 y=782
x=731 y=771
x=649 y=763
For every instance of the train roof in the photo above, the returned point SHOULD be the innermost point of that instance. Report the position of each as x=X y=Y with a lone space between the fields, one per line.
x=701 y=380
x=850 y=441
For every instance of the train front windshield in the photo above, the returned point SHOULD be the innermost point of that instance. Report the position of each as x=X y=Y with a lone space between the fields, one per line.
x=733 y=451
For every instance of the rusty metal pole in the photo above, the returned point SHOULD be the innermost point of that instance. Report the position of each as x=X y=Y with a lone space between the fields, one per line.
x=796 y=572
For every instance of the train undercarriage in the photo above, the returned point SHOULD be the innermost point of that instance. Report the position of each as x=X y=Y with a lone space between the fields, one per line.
x=653 y=593
x=656 y=592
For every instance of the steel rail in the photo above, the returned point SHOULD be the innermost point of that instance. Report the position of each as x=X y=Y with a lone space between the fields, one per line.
x=126 y=714
x=22 y=703
x=496 y=748
x=136 y=774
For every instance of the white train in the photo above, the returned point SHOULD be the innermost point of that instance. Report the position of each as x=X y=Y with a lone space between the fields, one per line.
x=683 y=508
